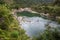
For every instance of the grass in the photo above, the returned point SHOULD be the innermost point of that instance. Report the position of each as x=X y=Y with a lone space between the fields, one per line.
x=28 y=14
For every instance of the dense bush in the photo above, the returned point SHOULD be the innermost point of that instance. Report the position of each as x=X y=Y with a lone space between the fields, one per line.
x=9 y=28
x=49 y=34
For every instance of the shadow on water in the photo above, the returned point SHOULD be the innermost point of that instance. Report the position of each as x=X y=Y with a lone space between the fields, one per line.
x=28 y=14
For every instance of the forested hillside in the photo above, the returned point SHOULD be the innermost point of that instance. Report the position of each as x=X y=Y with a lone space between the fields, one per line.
x=26 y=3
x=9 y=25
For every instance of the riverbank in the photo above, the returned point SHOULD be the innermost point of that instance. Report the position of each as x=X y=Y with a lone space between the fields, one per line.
x=29 y=24
x=46 y=16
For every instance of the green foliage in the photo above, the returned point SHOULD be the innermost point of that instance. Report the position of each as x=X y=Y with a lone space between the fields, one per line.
x=9 y=28
x=2 y=2
x=57 y=2
x=58 y=20
x=26 y=3
x=50 y=34
x=4 y=17
x=15 y=34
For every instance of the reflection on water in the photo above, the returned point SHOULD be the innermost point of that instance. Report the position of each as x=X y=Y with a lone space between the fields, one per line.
x=35 y=25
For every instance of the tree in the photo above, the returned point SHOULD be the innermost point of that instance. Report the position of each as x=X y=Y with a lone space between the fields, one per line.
x=2 y=2
x=9 y=28
x=49 y=34
x=57 y=2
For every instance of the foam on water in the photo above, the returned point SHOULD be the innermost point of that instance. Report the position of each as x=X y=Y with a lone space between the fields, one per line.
x=35 y=25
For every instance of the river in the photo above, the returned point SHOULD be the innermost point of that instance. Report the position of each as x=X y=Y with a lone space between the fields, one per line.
x=34 y=26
